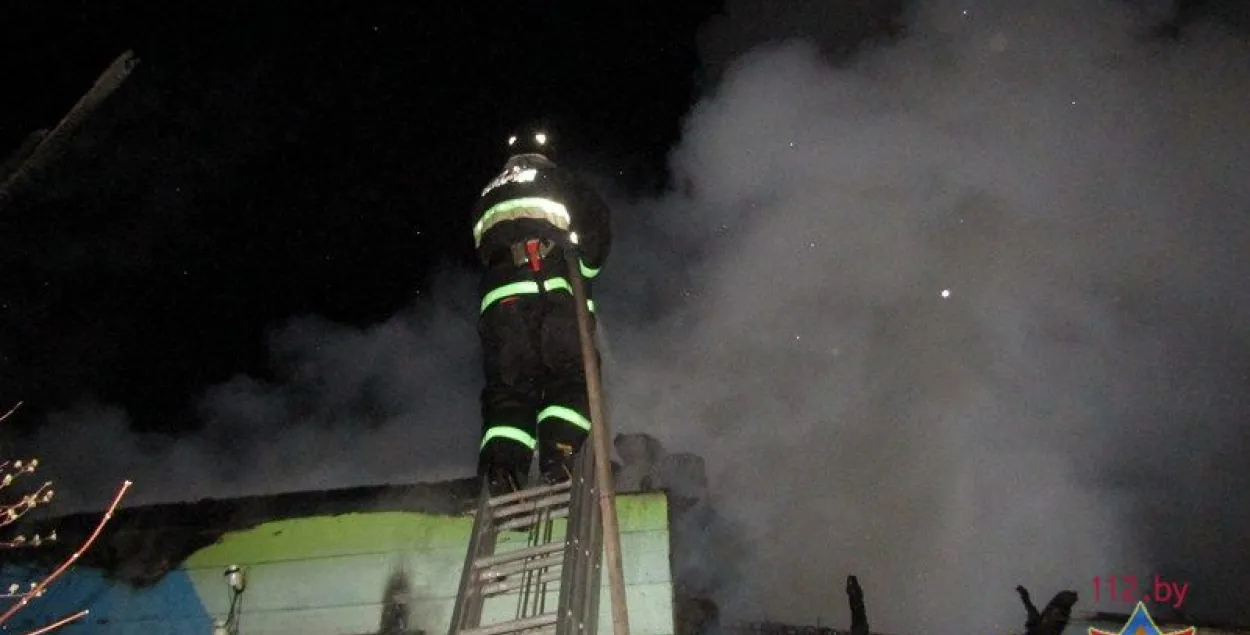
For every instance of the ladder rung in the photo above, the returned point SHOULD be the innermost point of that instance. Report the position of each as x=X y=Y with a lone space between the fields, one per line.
x=544 y=562
x=532 y=492
x=528 y=520
x=514 y=626
x=518 y=581
x=512 y=509
x=518 y=554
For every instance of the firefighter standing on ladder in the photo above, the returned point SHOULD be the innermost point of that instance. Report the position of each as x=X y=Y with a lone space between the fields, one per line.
x=535 y=396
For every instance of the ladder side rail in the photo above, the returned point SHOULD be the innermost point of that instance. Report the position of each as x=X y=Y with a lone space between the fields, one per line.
x=574 y=587
x=594 y=564
x=592 y=546
x=467 y=612
x=570 y=577
x=600 y=439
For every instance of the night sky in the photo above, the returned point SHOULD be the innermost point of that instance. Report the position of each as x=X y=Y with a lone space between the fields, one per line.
x=262 y=163
x=949 y=294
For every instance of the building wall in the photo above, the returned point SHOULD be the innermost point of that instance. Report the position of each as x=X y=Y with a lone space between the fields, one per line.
x=332 y=575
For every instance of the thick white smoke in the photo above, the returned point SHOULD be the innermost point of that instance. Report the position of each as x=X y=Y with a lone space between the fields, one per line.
x=966 y=308
x=963 y=312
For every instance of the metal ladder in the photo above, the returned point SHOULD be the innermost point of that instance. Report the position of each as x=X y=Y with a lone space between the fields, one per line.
x=523 y=575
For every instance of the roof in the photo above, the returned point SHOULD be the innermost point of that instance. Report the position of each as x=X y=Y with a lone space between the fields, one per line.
x=140 y=544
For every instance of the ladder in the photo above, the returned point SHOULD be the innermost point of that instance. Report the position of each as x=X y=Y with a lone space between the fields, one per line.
x=523 y=575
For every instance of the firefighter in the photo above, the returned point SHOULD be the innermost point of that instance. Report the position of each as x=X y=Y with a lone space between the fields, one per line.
x=534 y=398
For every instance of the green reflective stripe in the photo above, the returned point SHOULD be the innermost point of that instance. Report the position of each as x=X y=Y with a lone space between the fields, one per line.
x=553 y=284
x=536 y=208
x=567 y=414
x=527 y=287
x=587 y=270
x=560 y=284
x=501 y=292
x=508 y=432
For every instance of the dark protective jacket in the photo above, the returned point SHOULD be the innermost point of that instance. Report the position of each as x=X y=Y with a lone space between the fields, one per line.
x=532 y=198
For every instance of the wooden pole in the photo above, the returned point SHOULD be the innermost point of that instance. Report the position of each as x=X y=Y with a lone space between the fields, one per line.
x=599 y=436
x=53 y=143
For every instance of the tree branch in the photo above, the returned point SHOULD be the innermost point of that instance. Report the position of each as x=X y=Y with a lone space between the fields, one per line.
x=10 y=513
x=38 y=588
x=59 y=623
x=10 y=412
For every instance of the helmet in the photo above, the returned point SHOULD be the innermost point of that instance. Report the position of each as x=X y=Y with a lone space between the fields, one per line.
x=530 y=140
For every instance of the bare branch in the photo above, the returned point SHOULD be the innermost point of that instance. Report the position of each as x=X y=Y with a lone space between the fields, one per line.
x=20 y=541
x=10 y=513
x=59 y=623
x=14 y=594
x=12 y=470
x=10 y=412
x=37 y=590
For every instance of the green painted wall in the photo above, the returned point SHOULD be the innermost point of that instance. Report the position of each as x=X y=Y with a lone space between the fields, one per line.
x=328 y=574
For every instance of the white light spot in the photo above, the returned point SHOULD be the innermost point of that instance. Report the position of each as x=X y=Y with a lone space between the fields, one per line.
x=946 y=293
x=540 y=138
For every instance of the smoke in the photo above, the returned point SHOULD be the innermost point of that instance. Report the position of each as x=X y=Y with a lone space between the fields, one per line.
x=957 y=313
x=965 y=313
x=391 y=403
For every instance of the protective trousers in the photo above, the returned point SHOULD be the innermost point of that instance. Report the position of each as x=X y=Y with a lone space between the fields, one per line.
x=535 y=395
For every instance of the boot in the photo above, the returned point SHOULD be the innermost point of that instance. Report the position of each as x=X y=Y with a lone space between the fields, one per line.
x=559 y=468
x=556 y=476
x=500 y=481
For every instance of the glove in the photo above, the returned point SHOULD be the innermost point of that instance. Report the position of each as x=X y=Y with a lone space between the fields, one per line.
x=568 y=241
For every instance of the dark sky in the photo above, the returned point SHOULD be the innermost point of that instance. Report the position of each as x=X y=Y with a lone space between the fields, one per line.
x=949 y=294
x=266 y=163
